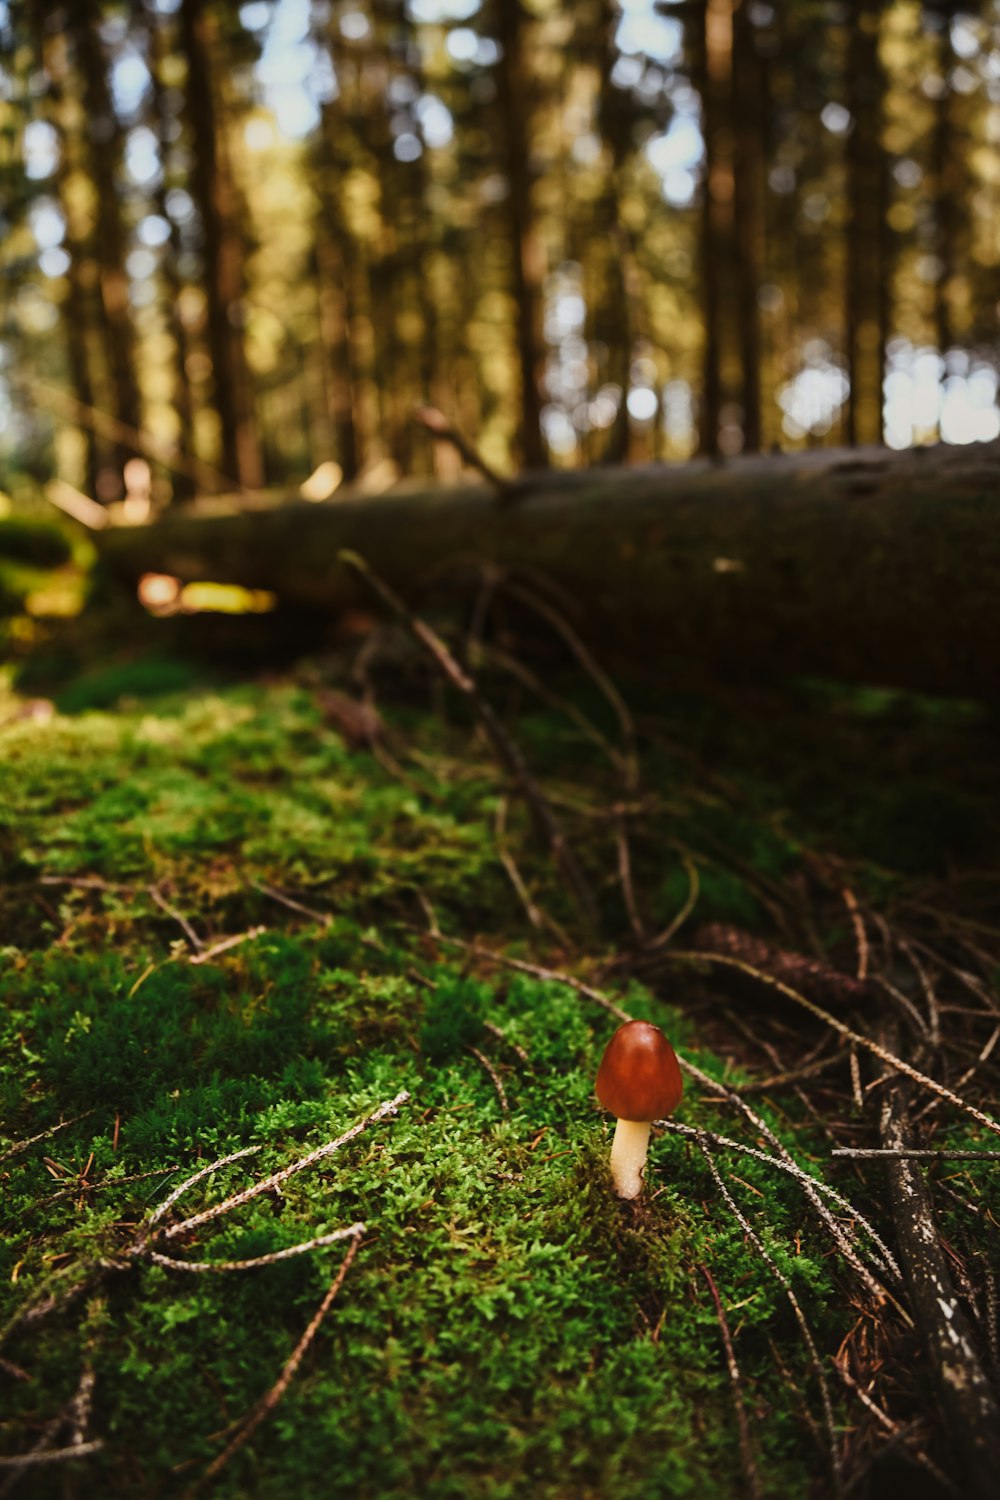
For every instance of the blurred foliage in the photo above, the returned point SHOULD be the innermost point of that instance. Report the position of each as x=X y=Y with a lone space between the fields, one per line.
x=244 y=241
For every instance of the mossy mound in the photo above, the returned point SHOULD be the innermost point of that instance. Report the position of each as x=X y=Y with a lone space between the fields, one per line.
x=507 y=1329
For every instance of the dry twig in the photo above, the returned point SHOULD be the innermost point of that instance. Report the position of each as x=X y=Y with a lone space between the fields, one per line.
x=747 y=1459
x=508 y=752
x=267 y=1403
x=897 y=1064
x=800 y=1317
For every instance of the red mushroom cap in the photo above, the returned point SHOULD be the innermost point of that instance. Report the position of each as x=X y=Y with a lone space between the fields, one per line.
x=639 y=1077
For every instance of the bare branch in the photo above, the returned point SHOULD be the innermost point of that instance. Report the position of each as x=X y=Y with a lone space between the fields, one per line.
x=883 y=1054
x=353 y=1231
x=267 y=1404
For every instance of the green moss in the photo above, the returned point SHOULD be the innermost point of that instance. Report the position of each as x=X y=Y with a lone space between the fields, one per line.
x=508 y=1328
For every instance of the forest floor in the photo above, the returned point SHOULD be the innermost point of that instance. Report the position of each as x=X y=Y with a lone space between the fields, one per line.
x=240 y=917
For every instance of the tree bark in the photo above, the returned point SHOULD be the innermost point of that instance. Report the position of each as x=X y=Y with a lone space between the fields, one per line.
x=214 y=191
x=106 y=145
x=159 y=45
x=868 y=282
x=526 y=252
x=749 y=109
x=865 y=565
x=53 y=54
x=713 y=79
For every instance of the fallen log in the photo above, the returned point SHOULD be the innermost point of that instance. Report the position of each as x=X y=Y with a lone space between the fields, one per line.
x=860 y=564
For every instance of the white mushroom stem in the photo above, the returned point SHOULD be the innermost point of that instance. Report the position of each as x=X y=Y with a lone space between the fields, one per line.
x=628 y=1156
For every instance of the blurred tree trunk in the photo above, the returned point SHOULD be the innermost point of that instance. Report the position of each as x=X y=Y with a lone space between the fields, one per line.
x=868 y=281
x=334 y=252
x=712 y=73
x=749 y=114
x=76 y=309
x=612 y=312
x=106 y=147
x=164 y=122
x=763 y=565
x=945 y=169
x=214 y=191
x=514 y=95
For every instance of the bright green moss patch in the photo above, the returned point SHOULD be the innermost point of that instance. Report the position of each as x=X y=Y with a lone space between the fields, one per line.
x=508 y=1329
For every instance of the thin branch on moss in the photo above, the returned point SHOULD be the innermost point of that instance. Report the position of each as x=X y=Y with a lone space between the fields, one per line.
x=750 y=1471
x=881 y=1153
x=626 y=760
x=199 y=1267
x=267 y=1404
x=108 y=1182
x=508 y=752
x=883 y=1054
x=161 y=901
x=75 y=1415
x=44 y=1135
x=884 y=1259
x=51 y=1455
x=625 y=874
x=520 y=590
x=476 y=950
x=324 y=918
x=800 y=1317
x=930 y=994
x=88 y=883
x=502 y=1036
x=753 y=1118
x=970 y=1073
x=905 y=1004
x=536 y=916
x=189 y=1182
x=226 y=943
x=495 y=1078
x=269 y=1184
x=494 y=654
x=665 y=937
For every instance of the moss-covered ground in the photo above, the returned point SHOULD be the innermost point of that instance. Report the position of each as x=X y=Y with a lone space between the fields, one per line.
x=506 y=1328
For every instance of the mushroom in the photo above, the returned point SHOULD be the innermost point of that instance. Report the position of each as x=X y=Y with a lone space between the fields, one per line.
x=639 y=1081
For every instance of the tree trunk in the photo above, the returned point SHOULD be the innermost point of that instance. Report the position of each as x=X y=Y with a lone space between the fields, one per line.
x=713 y=79
x=106 y=142
x=866 y=565
x=214 y=192
x=526 y=252
x=868 y=281
x=159 y=45
x=946 y=188
x=749 y=107
x=76 y=309
x=609 y=249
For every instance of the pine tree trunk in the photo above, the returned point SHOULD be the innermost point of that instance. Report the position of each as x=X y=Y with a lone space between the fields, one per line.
x=214 y=192
x=867 y=308
x=76 y=309
x=526 y=255
x=183 y=485
x=748 y=172
x=106 y=147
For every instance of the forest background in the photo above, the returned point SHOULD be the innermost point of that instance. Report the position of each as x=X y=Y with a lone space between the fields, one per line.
x=257 y=236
